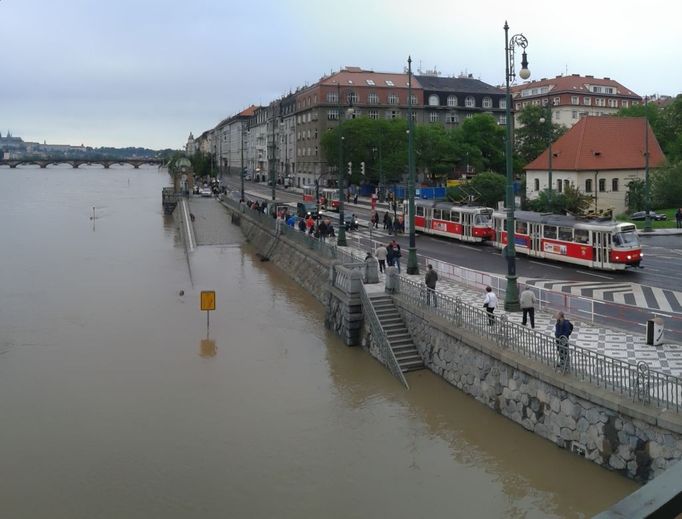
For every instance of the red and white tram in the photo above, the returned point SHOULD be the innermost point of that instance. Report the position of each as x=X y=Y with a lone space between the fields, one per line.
x=329 y=198
x=605 y=245
x=309 y=193
x=462 y=222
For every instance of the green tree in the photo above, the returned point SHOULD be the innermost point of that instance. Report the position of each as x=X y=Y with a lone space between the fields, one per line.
x=536 y=132
x=483 y=134
x=635 y=196
x=201 y=164
x=486 y=189
x=666 y=186
x=572 y=201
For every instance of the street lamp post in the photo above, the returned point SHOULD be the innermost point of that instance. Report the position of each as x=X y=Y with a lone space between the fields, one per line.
x=647 y=198
x=511 y=295
x=341 y=240
x=412 y=265
x=381 y=174
x=272 y=157
x=242 y=168
x=549 y=165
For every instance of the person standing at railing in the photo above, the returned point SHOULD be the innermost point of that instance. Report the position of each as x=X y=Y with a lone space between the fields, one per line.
x=380 y=254
x=394 y=254
x=562 y=331
x=528 y=301
x=430 y=279
x=490 y=303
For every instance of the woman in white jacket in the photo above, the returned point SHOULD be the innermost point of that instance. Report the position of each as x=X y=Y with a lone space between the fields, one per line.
x=490 y=303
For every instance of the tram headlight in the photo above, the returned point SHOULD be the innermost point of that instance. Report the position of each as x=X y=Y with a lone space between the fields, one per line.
x=629 y=257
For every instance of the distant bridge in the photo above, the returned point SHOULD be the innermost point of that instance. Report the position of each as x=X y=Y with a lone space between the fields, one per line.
x=75 y=163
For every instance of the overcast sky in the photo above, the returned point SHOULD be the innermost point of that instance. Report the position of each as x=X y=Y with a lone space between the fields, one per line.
x=147 y=72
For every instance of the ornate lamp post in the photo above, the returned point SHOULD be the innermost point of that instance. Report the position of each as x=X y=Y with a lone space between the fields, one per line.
x=242 y=173
x=341 y=239
x=647 y=198
x=511 y=296
x=381 y=173
x=412 y=265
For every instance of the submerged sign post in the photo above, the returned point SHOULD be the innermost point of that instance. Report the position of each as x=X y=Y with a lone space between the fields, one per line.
x=207 y=304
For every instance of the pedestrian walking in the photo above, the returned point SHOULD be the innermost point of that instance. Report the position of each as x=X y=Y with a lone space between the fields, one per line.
x=375 y=219
x=381 y=254
x=562 y=331
x=678 y=217
x=528 y=302
x=430 y=279
x=387 y=219
x=490 y=303
x=355 y=198
x=395 y=247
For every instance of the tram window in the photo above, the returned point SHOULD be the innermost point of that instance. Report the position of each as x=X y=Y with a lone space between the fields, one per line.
x=454 y=217
x=521 y=227
x=482 y=219
x=437 y=214
x=549 y=231
x=582 y=236
x=419 y=211
x=566 y=233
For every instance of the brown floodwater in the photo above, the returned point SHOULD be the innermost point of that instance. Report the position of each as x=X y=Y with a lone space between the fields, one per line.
x=116 y=403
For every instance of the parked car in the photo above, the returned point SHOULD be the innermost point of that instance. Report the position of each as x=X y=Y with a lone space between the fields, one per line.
x=641 y=215
x=206 y=192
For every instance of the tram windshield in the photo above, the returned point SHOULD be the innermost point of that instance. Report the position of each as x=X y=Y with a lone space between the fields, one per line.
x=626 y=239
x=482 y=219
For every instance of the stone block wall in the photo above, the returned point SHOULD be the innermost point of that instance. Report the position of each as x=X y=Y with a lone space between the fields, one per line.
x=613 y=432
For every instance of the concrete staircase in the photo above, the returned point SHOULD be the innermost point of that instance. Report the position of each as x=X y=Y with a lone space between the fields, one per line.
x=398 y=336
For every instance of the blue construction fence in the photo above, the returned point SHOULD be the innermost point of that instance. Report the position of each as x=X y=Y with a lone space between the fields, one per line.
x=400 y=192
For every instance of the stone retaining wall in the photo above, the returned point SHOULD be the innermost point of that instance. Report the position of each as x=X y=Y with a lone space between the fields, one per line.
x=613 y=432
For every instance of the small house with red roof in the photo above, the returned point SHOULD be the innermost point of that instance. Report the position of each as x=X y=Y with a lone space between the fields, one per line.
x=600 y=156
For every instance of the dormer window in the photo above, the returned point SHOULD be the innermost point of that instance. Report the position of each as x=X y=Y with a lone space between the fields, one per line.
x=433 y=100
x=370 y=82
x=389 y=82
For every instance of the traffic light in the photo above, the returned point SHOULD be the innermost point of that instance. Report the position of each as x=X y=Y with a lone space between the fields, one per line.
x=362 y=168
x=350 y=168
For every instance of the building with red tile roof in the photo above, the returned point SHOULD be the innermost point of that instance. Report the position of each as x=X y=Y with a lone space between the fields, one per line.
x=572 y=97
x=599 y=156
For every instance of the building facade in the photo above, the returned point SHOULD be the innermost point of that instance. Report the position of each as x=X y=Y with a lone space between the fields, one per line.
x=599 y=156
x=572 y=97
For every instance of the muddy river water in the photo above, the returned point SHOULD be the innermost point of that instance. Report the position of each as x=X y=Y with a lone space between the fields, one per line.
x=115 y=402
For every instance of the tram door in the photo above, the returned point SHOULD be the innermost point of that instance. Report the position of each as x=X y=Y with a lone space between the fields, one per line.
x=428 y=217
x=466 y=224
x=535 y=232
x=600 y=241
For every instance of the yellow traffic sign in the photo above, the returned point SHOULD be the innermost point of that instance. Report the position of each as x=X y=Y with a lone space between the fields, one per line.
x=208 y=300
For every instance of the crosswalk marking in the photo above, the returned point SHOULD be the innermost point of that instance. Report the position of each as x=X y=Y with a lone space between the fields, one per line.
x=632 y=294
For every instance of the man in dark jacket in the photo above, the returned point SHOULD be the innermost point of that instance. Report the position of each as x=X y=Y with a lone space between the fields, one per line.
x=562 y=331
x=430 y=279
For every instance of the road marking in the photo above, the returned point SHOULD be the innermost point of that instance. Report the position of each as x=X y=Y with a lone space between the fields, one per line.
x=477 y=249
x=595 y=275
x=546 y=264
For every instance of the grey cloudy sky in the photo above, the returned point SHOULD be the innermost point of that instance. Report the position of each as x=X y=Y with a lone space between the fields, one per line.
x=146 y=72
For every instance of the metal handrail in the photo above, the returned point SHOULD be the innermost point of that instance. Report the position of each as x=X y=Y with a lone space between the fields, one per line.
x=380 y=337
x=644 y=385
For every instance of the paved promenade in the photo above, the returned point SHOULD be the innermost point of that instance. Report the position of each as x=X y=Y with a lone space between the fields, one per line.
x=608 y=341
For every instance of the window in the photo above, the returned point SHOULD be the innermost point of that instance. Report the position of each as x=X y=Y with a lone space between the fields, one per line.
x=602 y=185
x=393 y=99
x=413 y=100
x=613 y=103
x=487 y=102
x=470 y=102
x=373 y=98
x=370 y=82
x=333 y=114
x=503 y=119
x=452 y=100
x=566 y=184
x=374 y=114
x=434 y=117
x=536 y=184
x=517 y=106
x=600 y=101
x=503 y=103
x=413 y=116
x=452 y=118
x=556 y=101
x=521 y=227
x=419 y=211
x=392 y=114
x=582 y=236
x=433 y=100
x=437 y=214
x=566 y=233
x=455 y=217
x=389 y=82
x=614 y=184
x=587 y=101
x=549 y=231
x=588 y=185
x=352 y=98
x=559 y=186
x=624 y=103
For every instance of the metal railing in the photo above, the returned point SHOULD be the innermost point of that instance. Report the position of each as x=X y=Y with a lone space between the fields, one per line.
x=636 y=381
x=379 y=336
